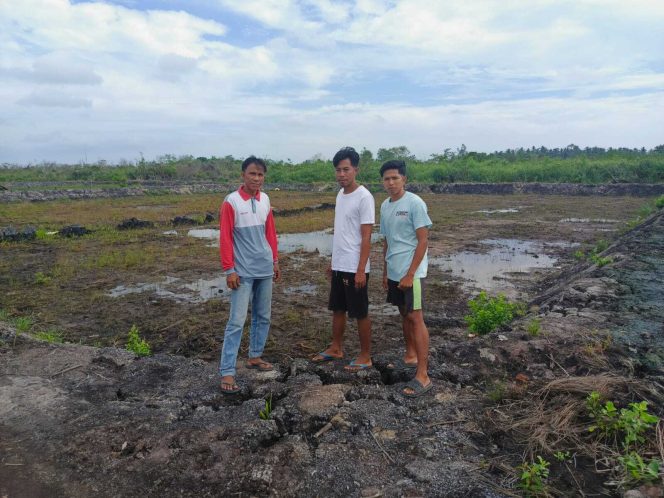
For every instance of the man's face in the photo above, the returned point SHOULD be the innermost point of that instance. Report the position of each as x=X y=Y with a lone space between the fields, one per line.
x=253 y=177
x=393 y=181
x=345 y=173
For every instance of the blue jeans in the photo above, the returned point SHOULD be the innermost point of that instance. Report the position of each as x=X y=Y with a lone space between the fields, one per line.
x=258 y=292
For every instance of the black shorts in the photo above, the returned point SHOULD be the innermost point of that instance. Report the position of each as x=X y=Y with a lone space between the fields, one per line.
x=345 y=297
x=409 y=299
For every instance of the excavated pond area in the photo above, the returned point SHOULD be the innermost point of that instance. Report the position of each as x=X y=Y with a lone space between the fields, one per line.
x=88 y=418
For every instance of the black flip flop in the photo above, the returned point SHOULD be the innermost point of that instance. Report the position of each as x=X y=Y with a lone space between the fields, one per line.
x=418 y=388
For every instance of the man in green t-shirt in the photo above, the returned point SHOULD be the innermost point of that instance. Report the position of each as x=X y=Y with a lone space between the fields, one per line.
x=405 y=224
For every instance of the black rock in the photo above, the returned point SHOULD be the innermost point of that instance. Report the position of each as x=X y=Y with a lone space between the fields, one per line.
x=132 y=223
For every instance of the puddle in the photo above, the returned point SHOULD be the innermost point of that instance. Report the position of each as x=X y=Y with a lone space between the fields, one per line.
x=516 y=209
x=320 y=241
x=303 y=290
x=588 y=220
x=174 y=288
x=383 y=309
x=505 y=258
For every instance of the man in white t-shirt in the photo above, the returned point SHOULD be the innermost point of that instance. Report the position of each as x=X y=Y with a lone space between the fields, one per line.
x=354 y=216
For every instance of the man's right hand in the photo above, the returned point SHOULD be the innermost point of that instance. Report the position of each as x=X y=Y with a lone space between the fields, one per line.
x=329 y=272
x=233 y=281
x=385 y=282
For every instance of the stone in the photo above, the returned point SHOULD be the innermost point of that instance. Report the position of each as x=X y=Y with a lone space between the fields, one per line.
x=317 y=401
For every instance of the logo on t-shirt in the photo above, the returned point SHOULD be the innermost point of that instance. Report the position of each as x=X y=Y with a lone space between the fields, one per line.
x=401 y=213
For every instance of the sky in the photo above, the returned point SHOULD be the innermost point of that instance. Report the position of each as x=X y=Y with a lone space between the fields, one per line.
x=83 y=81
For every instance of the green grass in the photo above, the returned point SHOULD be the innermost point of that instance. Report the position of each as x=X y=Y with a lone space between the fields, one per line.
x=23 y=323
x=51 y=335
x=533 y=327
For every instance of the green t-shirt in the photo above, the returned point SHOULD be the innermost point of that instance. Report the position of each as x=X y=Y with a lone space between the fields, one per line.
x=398 y=223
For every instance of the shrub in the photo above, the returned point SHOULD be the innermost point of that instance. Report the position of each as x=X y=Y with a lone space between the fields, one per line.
x=533 y=477
x=659 y=202
x=23 y=323
x=636 y=468
x=487 y=314
x=42 y=279
x=135 y=344
x=600 y=261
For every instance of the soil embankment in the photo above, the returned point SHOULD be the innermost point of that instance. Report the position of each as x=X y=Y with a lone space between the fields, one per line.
x=83 y=421
x=46 y=192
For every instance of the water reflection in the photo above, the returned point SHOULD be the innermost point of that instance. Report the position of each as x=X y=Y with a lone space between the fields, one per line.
x=174 y=288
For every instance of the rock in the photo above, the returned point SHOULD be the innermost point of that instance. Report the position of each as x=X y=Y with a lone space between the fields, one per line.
x=10 y=234
x=183 y=220
x=485 y=353
x=132 y=223
x=74 y=231
x=317 y=401
x=371 y=493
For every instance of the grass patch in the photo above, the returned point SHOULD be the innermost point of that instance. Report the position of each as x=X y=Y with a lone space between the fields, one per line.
x=52 y=335
x=42 y=279
x=534 y=327
x=23 y=323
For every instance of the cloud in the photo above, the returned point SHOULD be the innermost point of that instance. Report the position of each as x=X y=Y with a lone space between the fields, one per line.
x=297 y=77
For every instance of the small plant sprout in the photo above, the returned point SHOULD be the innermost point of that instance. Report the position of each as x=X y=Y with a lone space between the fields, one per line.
x=533 y=477
x=266 y=412
x=659 y=202
x=23 y=323
x=637 y=470
x=51 y=335
x=42 y=279
x=135 y=344
x=533 y=327
x=562 y=456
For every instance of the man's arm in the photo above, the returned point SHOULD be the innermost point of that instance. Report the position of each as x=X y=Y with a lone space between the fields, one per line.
x=271 y=236
x=226 y=226
x=365 y=249
x=422 y=234
x=385 y=263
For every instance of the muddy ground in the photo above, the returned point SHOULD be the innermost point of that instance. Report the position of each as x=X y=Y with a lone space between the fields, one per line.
x=88 y=419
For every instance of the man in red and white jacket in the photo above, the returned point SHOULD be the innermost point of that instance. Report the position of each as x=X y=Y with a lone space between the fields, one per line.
x=248 y=250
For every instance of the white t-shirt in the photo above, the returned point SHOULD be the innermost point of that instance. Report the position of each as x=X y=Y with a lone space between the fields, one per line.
x=352 y=210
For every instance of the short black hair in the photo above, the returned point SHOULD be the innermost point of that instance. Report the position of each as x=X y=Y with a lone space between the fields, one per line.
x=253 y=160
x=347 y=153
x=394 y=164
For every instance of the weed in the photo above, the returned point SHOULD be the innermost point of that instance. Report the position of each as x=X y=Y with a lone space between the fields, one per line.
x=266 y=412
x=533 y=327
x=42 y=279
x=605 y=416
x=636 y=468
x=23 y=323
x=135 y=344
x=533 y=477
x=579 y=255
x=634 y=421
x=659 y=202
x=562 y=456
x=497 y=392
x=4 y=315
x=600 y=246
x=600 y=261
x=487 y=314
x=51 y=335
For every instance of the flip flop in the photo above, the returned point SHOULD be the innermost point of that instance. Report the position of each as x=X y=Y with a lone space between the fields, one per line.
x=418 y=388
x=401 y=365
x=356 y=367
x=262 y=366
x=325 y=357
x=234 y=388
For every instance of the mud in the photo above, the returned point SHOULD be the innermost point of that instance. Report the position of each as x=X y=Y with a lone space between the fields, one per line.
x=77 y=420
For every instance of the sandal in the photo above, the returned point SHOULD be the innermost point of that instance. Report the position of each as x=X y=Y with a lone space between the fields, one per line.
x=417 y=387
x=230 y=388
x=262 y=365
x=324 y=357
x=354 y=366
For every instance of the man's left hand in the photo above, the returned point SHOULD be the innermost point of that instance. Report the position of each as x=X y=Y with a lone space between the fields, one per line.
x=277 y=272
x=406 y=282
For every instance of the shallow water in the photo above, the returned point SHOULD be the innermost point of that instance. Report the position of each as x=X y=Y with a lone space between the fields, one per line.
x=490 y=270
x=320 y=241
x=199 y=291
